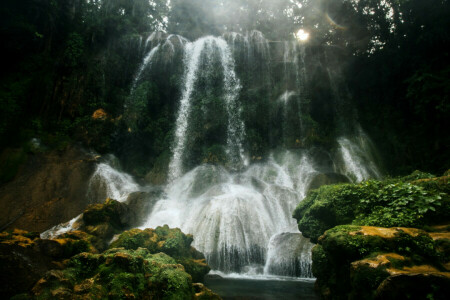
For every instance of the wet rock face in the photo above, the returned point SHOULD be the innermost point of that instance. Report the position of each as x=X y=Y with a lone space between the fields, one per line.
x=49 y=189
x=140 y=205
x=414 y=286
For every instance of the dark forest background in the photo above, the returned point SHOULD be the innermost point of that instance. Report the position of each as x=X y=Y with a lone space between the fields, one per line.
x=63 y=60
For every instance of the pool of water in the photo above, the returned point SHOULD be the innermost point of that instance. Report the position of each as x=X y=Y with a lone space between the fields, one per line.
x=268 y=289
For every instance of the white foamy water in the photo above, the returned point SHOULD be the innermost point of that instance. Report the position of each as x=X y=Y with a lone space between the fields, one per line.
x=357 y=157
x=60 y=229
x=109 y=182
x=233 y=216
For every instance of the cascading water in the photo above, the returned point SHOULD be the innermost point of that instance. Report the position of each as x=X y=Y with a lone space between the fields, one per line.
x=234 y=216
x=208 y=46
x=147 y=61
x=357 y=157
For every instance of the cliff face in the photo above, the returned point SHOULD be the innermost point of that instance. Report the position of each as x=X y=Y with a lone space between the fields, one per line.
x=49 y=189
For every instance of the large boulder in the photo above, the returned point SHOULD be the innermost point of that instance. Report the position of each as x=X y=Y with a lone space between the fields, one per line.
x=103 y=221
x=50 y=188
x=353 y=262
x=117 y=274
x=170 y=241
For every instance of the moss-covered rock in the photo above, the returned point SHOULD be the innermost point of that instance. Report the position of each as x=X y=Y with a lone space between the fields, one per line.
x=354 y=261
x=111 y=211
x=118 y=274
x=404 y=202
x=170 y=241
x=24 y=257
x=102 y=221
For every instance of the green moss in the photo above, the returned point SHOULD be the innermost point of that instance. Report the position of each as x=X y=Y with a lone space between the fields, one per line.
x=172 y=242
x=339 y=259
x=121 y=273
x=109 y=212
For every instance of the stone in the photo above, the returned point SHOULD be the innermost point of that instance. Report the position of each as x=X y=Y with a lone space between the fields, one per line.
x=166 y=240
x=366 y=262
x=140 y=205
x=119 y=274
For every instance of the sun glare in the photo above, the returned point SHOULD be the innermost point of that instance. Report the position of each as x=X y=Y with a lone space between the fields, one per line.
x=302 y=35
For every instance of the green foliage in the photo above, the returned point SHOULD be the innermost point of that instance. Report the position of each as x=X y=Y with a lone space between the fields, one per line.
x=389 y=203
x=400 y=204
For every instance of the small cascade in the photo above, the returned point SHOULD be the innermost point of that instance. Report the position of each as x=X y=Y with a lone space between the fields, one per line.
x=146 y=63
x=158 y=43
x=295 y=78
x=109 y=182
x=208 y=47
x=60 y=229
x=153 y=40
x=284 y=100
x=357 y=155
x=236 y=127
x=261 y=44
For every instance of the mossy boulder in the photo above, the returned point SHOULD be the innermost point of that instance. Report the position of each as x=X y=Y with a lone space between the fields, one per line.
x=103 y=221
x=25 y=257
x=117 y=274
x=353 y=262
x=403 y=202
x=173 y=242
x=112 y=211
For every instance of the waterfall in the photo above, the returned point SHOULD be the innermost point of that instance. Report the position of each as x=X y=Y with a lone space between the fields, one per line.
x=240 y=214
x=110 y=182
x=284 y=100
x=234 y=216
x=288 y=254
x=208 y=46
x=147 y=61
x=236 y=128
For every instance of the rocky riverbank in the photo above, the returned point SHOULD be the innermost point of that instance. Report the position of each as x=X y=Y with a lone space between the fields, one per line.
x=83 y=264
